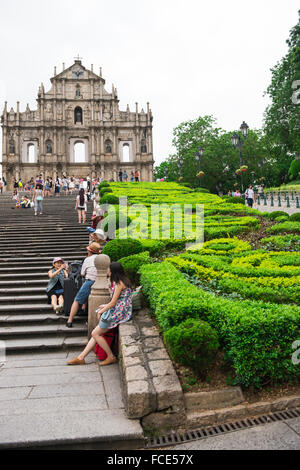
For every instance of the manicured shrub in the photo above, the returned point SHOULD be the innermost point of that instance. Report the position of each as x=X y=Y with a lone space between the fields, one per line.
x=109 y=199
x=274 y=214
x=193 y=343
x=282 y=242
x=154 y=247
x=281 y=218
x=112 y=221
x=132 y=264
x=256 y=336
x=295 y=217
x=105 y=190
x=287 y=226
x=117 y=249
x=201 y=190
x=234 y=199
x=104 y=184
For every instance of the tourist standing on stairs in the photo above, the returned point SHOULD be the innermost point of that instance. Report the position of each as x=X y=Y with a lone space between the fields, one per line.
x=118 y=310
x=38 y=196
x=81 y=206
x=55 y=287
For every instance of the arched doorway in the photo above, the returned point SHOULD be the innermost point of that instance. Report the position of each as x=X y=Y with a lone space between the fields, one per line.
x=31 y=153
x=126 y=153
x=79 y=152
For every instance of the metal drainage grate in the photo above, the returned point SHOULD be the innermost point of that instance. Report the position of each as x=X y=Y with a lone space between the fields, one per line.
x=202 y=433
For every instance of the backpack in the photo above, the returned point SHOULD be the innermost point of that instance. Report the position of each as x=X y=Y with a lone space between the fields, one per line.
x=111 y=337
x=75 y=273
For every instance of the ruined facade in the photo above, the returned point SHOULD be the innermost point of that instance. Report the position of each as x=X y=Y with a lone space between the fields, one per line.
x=77 y=111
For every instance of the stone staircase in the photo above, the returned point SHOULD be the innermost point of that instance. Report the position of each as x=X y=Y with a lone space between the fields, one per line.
x=28 y=244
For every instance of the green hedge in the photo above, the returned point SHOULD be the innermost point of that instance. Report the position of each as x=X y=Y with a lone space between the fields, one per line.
x=117 y=249
x=109 y=199
x=193 y=343
x=132 y=264
x=104 y=190
x=256 y=336
x=295 y=217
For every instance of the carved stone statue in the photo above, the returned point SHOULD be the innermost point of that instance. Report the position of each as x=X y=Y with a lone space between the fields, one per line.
x=11 y=146
x=108 y=147
x=49 y=147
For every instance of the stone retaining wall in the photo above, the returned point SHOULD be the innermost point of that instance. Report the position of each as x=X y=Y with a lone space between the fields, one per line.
x=151 y=388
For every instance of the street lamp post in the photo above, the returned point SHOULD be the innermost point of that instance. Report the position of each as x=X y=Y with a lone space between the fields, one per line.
x=198 y=156
x=237 y=141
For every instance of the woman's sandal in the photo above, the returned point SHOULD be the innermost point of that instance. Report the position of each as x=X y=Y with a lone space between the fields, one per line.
x=108 y=361
x=76 y=362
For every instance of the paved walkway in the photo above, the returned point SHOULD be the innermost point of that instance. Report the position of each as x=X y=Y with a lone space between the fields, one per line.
x=268 y=208
x=274 y=436
x=44 y=402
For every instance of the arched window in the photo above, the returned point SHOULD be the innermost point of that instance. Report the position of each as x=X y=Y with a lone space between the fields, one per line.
x=108 y=146
x=78 y=115
x=31 y=153
x=143 y=146
x=79 y=152
x=48 y=146
x=126 y=153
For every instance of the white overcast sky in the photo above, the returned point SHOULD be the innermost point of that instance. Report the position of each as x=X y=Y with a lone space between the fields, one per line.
x=187 y=58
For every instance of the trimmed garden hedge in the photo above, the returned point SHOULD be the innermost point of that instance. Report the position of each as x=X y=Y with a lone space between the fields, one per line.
x=256 y=336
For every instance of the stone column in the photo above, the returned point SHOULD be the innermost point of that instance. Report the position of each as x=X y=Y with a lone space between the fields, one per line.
x=100 y=291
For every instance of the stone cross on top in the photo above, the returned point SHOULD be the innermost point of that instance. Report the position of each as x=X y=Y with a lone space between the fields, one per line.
x=78 y=59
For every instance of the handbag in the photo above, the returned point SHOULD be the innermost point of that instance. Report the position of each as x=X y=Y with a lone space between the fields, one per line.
x=137 y=299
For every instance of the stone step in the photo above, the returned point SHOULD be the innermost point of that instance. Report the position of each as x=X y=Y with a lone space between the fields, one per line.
x=20 y=309
x=62 y=239
x=46 y=245
x=26 y=269
x=51 y=342
x=23 y=299
x=59 y=252
x=19 y=291
x=23 y=275
x=38 y=318
x=35 y=331
x=32 y=261
x=28 y=283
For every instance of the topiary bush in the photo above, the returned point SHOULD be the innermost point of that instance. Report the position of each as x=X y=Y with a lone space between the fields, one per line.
x=295 y=217
x=109 y=199
x=154 y=247
x=104 y=184
x=273 y=215
x=281 y=218
x=193 y=343
x=132 y=263
x=118 y=249
x=111 y=221
x=234 y=199
x=105 y=190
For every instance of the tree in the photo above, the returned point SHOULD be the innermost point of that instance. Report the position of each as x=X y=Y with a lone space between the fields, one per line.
x=282 y=116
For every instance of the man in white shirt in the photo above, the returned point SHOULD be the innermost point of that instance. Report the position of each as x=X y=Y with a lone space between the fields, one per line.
x=89 y=272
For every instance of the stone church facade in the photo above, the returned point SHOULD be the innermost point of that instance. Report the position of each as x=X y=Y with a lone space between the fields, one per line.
x=76 y=111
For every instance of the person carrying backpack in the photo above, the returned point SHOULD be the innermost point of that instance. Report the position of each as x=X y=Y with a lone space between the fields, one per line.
x=89 y=272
